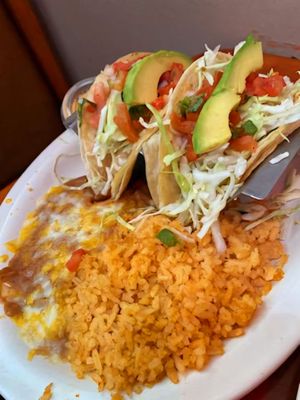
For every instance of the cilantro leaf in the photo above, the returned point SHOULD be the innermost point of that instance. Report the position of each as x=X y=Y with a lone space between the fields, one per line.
x=167 y=237
x=190 y=104
x=249 y=127
x=140 y=110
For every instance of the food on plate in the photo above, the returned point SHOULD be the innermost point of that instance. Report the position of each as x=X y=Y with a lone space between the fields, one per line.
x=128 y=303
x=47 y=395
x=224 y=118
x=149 y=282
x=110 y=134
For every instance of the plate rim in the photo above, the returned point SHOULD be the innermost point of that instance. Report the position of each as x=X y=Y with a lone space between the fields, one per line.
x=17 y=191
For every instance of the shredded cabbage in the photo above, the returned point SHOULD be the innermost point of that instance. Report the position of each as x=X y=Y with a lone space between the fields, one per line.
x=102 y=119
x=209 y=77
x=283 y=205
x=285 y=212
x=238 y=47
x=252 y=211
x=181 y=235
x=207 y=184
x=124 y=223
x=169 y=158
x=153 y=124
x=268 y=113
x=292 y=192
x=210 y=182
x=213 y=180
x=211 y=62
x=217 y=237
x=109 y=141
x=108 y=134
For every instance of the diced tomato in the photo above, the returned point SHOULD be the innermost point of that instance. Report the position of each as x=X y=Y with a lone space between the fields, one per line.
x=186 y=127
x=190 y=154
x=159 y=103
x=137 y=126
x=176 y=72
x=189 y=151
x=176 y=121
x=124 y=123
x=207 y=89
x=260 y=86
x=234 y=118
x=274 y=85
x=75 y=260
x=94 y=119
x=125 y=66
x=169 y=79
x=121 y=66
x=244 y=143
x=192 y=116
x=92 y=115
x=181 y=125
x=90 y=108
x=166 y=89
x=217 y=77
x=100 y=94
x=252 y=77
x=166 y=77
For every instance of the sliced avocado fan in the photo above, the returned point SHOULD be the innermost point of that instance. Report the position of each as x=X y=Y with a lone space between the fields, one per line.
x=143 y=78
x=212 y=127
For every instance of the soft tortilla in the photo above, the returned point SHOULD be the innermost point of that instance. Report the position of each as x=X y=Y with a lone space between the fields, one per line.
x=267 y=145
x=96 y=173
x=161 y=181
x=122 y=177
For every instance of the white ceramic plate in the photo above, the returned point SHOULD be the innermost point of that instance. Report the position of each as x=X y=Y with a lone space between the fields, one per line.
x=271 y=338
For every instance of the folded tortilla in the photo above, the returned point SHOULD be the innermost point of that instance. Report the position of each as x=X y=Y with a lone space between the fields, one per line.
x=161 y=181
x=104 y=181
x=267 y=145
x=160 y=178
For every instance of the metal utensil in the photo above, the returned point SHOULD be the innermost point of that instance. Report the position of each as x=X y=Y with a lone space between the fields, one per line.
x=270 y=179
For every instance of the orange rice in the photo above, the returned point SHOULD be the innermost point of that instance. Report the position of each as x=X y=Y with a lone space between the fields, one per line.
x=137 y=311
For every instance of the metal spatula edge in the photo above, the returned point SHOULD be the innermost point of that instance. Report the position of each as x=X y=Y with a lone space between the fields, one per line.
x=268 y=179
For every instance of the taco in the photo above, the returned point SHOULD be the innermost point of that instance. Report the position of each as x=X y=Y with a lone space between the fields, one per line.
x=110 y=134
x=224 y=118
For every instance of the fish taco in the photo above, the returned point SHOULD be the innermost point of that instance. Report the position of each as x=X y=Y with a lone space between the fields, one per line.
x=110 y=133
x=224 y=118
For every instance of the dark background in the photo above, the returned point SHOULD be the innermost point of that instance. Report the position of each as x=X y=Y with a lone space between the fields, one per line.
x=82 y=36
x=90 y=33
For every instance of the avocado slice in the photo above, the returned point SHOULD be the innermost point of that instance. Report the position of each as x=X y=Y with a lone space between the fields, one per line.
x=248 y=59
x=143 y=78
x=212 y=127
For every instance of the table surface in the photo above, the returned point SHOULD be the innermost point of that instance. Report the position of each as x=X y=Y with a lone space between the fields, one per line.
x=281 y=385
